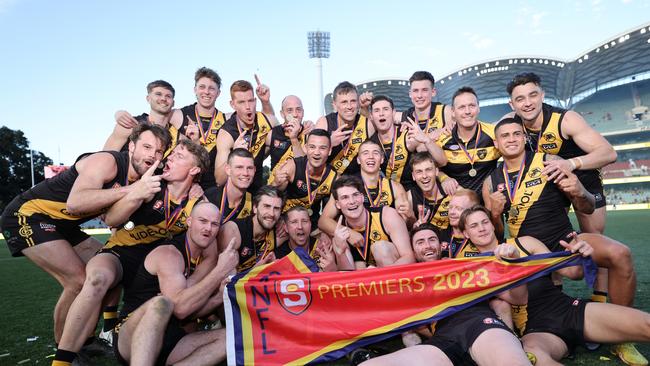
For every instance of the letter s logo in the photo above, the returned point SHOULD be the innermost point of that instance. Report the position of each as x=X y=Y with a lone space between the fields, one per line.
x=294 y=295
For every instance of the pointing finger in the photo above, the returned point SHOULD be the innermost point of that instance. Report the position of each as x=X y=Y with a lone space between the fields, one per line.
x=257 y=80
x=151 y=169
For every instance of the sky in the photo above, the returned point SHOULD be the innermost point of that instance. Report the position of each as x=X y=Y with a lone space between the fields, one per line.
x=67 y=66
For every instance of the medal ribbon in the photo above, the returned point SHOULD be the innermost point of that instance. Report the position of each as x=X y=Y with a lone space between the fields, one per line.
x=512 y=190
x=463 y=146
x=376 y=201
x=204 y=134
x=312 y=196
x=172 y=216
x=188 y=254
x=391 y=159
x=224 y=205
x=366 y=237
x=460 y=247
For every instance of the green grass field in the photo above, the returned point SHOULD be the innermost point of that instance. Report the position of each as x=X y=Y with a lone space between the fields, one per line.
x=27 y=303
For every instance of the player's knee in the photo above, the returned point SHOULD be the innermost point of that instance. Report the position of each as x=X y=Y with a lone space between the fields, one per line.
x=98 y=281
x=162 y=305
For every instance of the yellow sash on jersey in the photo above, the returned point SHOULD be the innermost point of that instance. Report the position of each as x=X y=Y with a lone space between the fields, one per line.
x=550 y=140
x=323 y=190
x=441 y=217
x=263 y=129
x=436 y=121
x=373 y=233
x=145 y=234
x=208 y=139
x=173 y=131
x=527 y=194
x=349 y=152
x=397 y=162
x=261 y=251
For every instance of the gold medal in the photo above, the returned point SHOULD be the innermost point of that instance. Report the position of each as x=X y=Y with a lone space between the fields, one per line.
x=513 y=212
x=345 y=162
x=472 y=172
x=310 y=211
x=129 y=226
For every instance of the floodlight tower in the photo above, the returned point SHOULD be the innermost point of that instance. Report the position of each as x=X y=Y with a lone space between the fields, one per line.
x=319 y=48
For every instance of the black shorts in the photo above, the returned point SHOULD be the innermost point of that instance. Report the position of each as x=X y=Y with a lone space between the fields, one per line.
x=173 y=334
x=455 y=334
x=564 y=317
x=22 y=232
x=131 y=258
x=593 y=182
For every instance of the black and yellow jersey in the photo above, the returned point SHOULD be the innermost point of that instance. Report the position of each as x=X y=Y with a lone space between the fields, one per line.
x=438 y=207
x=160 y=218
x=256 y=138
x=372 y=232
x=250 y=250
x=173 y=132
x=49 y=197
x=209 y=127
x=481 y=151
x=550 y=140
x=217 y=195
x=284 y=250
x=281 y=149
x=145 y=285
x=299 y=191
x=343 y=157
x=396 y=165
x=539 y=206
x=466 y=249
x=381 y=195
x=435 y=120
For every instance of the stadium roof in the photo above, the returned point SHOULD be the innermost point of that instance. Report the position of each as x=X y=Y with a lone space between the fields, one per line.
x=622 y=59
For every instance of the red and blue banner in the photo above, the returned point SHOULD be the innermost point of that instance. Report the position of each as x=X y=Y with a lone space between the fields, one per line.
x=287 y=313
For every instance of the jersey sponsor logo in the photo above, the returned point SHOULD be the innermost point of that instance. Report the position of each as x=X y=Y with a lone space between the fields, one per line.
x=324 y=189
x=534 y=182
x=358 y=133
x=481 y=153
x=245 y=251
x=294 y=295
x=549 y=146
x=549 y=136
x=357 y=140
x=576 y=302
x=300 y=183
x=47 y=227
x=399 y=149
x=535 y=172
x=157 y=205
x=375 y=235
x=492 y=321
x=453 y=147
x=399 y=157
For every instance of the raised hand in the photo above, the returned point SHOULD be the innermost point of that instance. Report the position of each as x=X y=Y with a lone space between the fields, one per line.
x=263 y=92
x=506 y=251
x=125 y=119
x=148 y=184
x=338 y=136
x=229 y=257
x=192 y=130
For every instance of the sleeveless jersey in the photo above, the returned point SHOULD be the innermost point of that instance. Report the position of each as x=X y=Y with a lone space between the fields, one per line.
x=396 y=165
x=160 y=218
x=250 y=251
x=343 y=157
x=435 y=121
x=217 y=196
x=298 y=193
x=209 y=127
x=550 y=140
x=439 y=207
x=373 y=231
x=539 y=206
x=381 y=195
x=284 y=250
x=49 y=197
x=256 y=138
x=482 y=153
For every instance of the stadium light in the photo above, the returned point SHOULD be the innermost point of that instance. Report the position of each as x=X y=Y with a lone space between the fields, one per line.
x=319 y=48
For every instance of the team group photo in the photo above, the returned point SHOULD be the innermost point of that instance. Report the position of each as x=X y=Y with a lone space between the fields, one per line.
x=495 y=215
